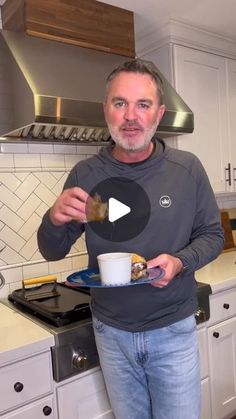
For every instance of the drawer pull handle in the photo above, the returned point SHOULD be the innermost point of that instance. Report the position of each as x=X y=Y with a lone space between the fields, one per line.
x=47 y=410
x=226 y=306
x=216 y=334
x=18 y=387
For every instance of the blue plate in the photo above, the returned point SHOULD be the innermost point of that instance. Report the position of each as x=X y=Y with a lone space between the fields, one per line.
x=91 y=278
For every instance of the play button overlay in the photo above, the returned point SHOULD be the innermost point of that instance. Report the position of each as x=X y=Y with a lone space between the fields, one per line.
x=128 y=209
x=116 y=210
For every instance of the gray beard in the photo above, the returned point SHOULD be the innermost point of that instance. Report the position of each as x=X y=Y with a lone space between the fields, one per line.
x=148 y=135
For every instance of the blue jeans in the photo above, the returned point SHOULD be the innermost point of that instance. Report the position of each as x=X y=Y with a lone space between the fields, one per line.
x=153 y=374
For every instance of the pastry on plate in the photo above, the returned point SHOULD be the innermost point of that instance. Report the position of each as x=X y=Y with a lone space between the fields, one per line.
x=138 y=267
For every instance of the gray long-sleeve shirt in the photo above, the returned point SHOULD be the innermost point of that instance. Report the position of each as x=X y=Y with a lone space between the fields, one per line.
x=189 y=228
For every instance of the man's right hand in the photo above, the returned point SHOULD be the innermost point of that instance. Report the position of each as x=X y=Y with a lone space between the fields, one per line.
x=70 y=205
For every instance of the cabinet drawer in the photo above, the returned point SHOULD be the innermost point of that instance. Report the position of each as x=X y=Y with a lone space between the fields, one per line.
x=222 y=306
x=25 y=380
x=36 y=410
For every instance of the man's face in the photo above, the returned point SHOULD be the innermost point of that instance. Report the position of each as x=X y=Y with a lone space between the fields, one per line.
x=132 y=110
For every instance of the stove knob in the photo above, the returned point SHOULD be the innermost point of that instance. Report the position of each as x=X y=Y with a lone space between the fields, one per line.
x=79 y=361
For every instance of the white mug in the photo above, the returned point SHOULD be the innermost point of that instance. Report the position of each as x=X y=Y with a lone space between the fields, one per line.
x=115 y=268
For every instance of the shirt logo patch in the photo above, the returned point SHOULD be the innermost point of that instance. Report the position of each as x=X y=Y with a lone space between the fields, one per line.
x=165 y=201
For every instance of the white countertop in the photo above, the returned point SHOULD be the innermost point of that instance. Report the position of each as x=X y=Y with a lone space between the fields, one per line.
x=20 y=337
x=221 y=273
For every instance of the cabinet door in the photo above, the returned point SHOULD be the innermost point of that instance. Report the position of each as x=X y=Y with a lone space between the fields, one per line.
x=205 y=399
x=222 y=360
x=200 y=78
x=85 y=398
x=231 y=74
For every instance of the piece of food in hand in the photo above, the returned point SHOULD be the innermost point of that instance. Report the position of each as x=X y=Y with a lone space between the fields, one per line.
x=96 y=209
x=138 y=267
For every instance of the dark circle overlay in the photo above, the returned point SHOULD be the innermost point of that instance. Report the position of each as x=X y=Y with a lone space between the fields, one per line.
x=128 y=193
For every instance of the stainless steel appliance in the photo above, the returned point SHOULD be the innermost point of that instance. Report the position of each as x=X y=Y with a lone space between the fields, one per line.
x=58 y=90
x=68 y=317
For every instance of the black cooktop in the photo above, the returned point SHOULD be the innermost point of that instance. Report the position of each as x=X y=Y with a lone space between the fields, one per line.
x=69 y=305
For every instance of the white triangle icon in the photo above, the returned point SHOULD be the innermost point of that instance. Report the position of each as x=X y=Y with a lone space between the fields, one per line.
x=116 y=209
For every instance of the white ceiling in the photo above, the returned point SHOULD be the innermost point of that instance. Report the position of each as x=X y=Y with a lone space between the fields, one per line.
x=218 y=16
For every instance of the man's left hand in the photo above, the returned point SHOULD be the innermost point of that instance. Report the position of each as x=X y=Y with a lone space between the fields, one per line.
x=171 y=265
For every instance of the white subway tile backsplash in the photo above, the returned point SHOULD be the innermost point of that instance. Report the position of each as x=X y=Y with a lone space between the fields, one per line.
x=53 y=160
x=40 y=148
x=64 y=149
x=35 y=270
x=10 y=218
x=42 y=209
x=13 y=274
x=79 y=262
x=58 y=175
x=27 y=161
x=9 y=198
x=6 y=161
x=46 y=178
x=87 y=149
x=59 y=185
x=2 y=245
x=5 y=291
x=29 y=248
x=72 y=159
x=29 y=227
x=60 y=265
x=10 y=256
x=14 y=148
x=12 y=239
x=21 y=175
x=45 y=195
x=31 y=204
x=27 y=186
x=10 y=181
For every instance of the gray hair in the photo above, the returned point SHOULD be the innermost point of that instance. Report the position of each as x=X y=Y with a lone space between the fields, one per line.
x=141 y=67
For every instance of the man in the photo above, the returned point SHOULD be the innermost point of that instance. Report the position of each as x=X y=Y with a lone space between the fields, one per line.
x=146 y=334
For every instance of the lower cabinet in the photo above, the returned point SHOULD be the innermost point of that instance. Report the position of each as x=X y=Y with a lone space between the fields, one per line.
x=205 y=399
x=26 y=388
x=37 y=410
x=222 y=362
x=85 y=398
x=204 y=364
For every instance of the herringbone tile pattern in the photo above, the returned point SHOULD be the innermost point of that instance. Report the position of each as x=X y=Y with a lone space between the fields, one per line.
x=24 y=198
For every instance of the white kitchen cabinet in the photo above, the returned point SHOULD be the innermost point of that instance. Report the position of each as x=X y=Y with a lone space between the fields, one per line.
x=207 y=83
x=84 y=398
x=22 y=383
x=222 y=357
x=200 y=79
x=204 y=364
x=37 y=410
x=231 y=90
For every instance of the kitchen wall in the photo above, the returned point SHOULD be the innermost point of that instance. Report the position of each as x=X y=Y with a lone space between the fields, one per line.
x=31 y=177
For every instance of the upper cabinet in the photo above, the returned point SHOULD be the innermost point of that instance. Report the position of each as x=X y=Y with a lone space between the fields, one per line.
x=207 y=83
x=86 y=23
x=201 y=79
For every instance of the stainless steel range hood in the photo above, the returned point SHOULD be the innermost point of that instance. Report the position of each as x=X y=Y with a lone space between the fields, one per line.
x=58 y=90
